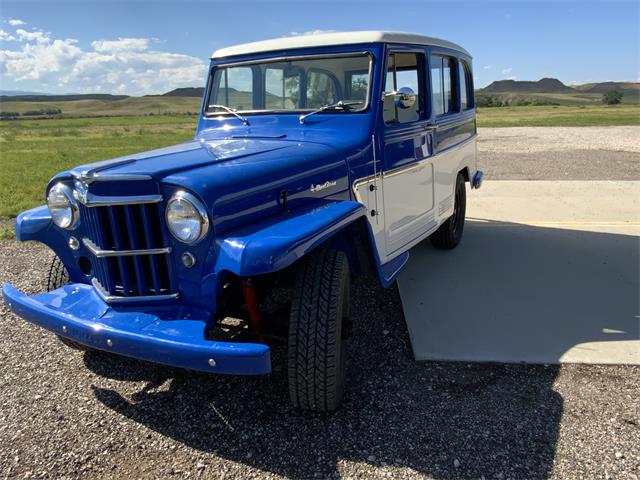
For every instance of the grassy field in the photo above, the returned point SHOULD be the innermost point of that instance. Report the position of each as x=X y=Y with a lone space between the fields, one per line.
x=32 y=151
x=559 y=116
x=156 y=105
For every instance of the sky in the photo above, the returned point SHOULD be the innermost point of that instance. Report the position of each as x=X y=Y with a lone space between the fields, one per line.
x=146 y=47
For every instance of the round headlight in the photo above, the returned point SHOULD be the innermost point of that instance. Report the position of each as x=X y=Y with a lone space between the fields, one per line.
x=187 y=218
x=62 y=206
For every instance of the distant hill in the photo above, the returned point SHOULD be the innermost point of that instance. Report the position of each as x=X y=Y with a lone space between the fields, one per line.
x=630 y=90
x=603 y=87
x=60 y=98
x=13 y=93
x=544 y=85
x=185 y=92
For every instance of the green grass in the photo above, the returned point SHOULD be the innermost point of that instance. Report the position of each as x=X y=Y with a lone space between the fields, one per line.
x=7 y=233
x=32 y=151
x=129 y=106
x=559 y=116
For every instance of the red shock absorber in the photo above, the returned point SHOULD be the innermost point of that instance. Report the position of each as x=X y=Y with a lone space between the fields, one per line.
x=251 y=299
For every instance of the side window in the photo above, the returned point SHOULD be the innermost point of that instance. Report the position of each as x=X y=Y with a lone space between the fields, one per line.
x=321 y=89
x=436 y=85
x=466 y=86
x=449 y=84
x=236 y=87
x=281 y=88
x=403 y=70
x=443 y=84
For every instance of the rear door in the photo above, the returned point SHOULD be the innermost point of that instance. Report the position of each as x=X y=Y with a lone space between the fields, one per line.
x=453 y=119
x=408 y=172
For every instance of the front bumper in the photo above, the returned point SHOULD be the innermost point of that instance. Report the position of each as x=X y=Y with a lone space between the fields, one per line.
x=77 y=312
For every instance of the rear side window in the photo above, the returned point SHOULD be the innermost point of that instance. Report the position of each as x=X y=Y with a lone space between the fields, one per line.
x=466 y=86
x=402 y=71
x=443 y=84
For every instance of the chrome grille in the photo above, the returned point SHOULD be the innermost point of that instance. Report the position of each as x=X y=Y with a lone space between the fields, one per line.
x=130 y=254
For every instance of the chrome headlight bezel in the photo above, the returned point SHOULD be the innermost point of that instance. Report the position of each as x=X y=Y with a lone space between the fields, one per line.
x=69 y=203
x=200 y=214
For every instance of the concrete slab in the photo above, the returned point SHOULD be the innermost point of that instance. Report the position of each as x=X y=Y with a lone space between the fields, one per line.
x=547 y=272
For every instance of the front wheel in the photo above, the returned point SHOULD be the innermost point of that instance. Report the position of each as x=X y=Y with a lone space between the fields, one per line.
x=319 y=308
x=449 y=234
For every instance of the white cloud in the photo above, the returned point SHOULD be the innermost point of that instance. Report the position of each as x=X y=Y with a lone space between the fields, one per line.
x=488 y=67
x=512 y=77
x=15 y=22
x=6 y=36
x=507 y=70
x=121 y=45
x=34 y=36
x=124 y=65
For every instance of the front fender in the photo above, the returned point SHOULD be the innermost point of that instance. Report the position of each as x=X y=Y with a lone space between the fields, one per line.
x=33 y=224
x=277 y=242
x=36 y=224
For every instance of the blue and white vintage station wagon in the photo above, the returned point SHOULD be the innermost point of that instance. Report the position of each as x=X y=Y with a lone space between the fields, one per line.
x=315 y=158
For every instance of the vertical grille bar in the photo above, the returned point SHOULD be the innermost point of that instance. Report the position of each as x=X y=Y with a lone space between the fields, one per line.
x=134 y=244
x=153 y=260
x=167 y=258
x=118 y=244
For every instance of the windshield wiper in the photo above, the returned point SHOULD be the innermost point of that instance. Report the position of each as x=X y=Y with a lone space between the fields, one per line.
x=232 y=112
x=341 y=105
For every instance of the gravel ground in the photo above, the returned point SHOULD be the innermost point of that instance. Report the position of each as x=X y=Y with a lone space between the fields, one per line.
x=560 y=153
x=65 y=413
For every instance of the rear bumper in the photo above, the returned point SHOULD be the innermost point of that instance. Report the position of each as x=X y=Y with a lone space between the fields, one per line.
x=476 y=181
x=77 y=312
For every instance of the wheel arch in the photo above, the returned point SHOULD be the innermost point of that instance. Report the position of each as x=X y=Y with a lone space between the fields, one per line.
x=465 y=174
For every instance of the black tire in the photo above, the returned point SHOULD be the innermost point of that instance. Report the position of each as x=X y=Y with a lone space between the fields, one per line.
x=449 y=234
x=316 y=352
x=58 y=277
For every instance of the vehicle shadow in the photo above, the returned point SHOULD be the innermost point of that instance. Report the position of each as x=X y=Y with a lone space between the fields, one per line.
x=447 y=420
x=442 y=419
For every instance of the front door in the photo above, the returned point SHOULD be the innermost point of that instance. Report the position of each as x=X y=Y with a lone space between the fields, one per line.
x=407 y=183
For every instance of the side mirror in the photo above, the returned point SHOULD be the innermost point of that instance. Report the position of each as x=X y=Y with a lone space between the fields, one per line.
x=404 y=97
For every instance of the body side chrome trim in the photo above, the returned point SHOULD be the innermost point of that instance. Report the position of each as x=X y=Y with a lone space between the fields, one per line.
x=99 y=253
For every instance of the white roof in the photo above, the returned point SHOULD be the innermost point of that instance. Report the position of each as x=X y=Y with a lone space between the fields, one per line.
x=333 y=38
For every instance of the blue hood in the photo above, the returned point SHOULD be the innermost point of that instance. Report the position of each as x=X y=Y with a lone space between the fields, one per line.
x=239 y=179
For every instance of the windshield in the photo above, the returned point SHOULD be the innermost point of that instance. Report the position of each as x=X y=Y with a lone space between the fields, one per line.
x=292 y=84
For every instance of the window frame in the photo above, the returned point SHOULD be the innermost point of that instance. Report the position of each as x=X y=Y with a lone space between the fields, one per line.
x=422 y=63
x=455 y=88
x=465 y=68
x=280 y=59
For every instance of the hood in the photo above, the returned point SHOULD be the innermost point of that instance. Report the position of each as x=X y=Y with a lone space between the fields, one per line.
x=238 y=179
x=178 y=158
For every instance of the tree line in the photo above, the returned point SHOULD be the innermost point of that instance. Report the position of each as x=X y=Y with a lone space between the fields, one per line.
x=32 y=113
